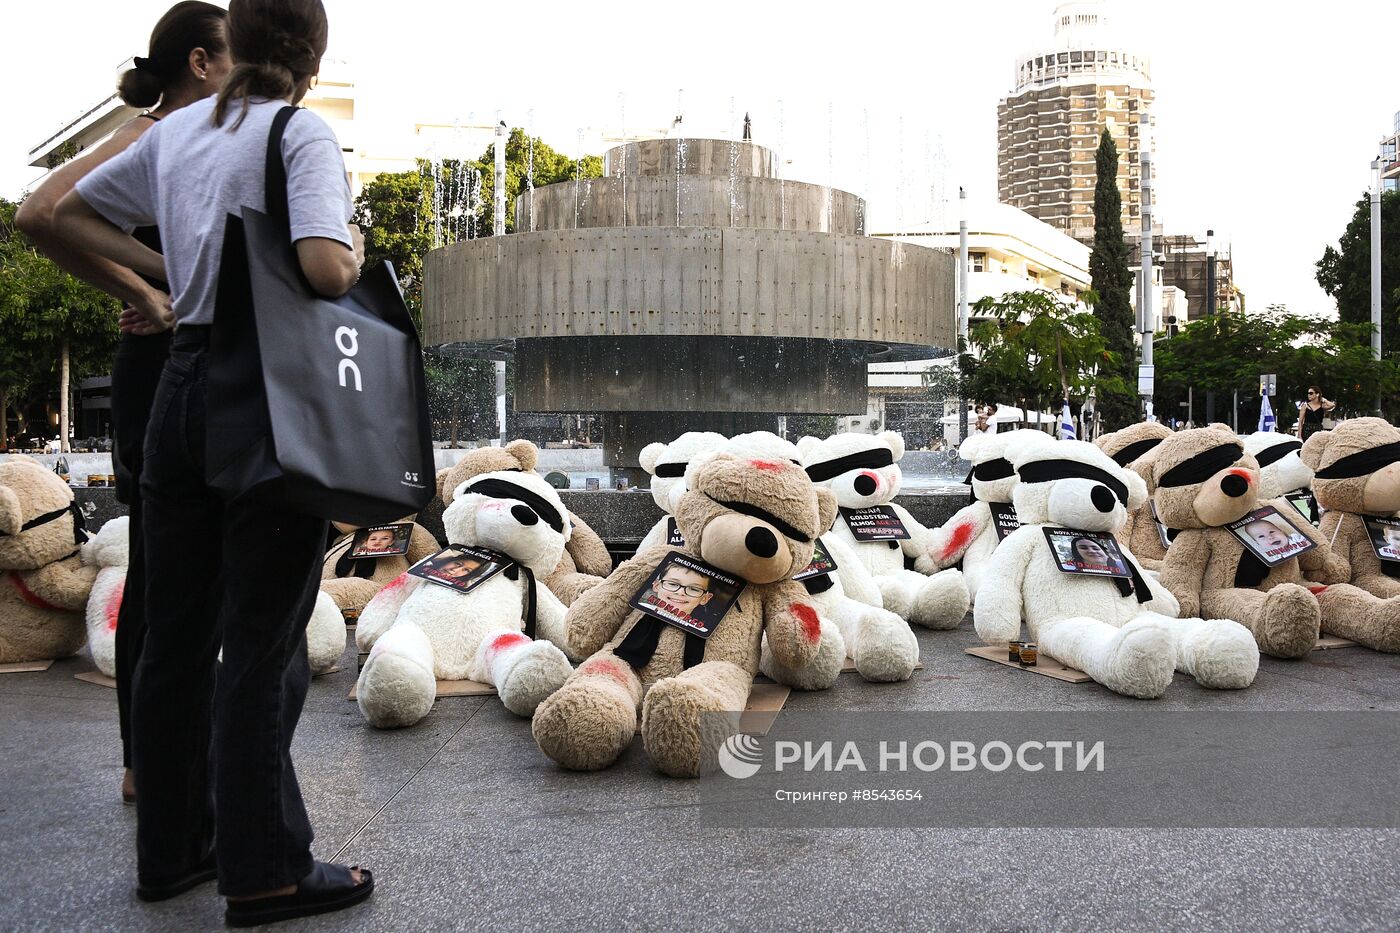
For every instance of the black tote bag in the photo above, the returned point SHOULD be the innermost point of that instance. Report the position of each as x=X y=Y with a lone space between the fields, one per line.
x=315 y=404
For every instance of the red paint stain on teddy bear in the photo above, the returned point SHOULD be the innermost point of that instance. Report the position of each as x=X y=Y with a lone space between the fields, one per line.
x=769 y=466
x=394 y=584
x=811 y=625
x=1245 y=475
x=609 y=669
x=960 y=537
x=508 y=640
x=114 y=605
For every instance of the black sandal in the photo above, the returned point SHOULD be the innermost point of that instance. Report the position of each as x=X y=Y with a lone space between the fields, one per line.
x=206 y=870
x=329 y=887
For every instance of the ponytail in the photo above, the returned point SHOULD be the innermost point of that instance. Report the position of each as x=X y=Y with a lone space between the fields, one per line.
x=186 y=26
x=277 y=44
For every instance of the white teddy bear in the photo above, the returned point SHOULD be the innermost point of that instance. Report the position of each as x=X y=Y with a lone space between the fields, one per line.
x=110 y=550
x=862 y=470
x=418 y=632
x=666 y=463
x=1121 y=632
x=1282 y=471
x=968 y=539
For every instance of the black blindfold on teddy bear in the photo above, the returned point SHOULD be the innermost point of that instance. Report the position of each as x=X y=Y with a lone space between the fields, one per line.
x=1135 y=450
x=1047 y=471
x=1362 y=463
x=860 y=460
x=1203 y=466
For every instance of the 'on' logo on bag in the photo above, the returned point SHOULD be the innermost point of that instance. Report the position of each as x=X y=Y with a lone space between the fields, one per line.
x=347 y=342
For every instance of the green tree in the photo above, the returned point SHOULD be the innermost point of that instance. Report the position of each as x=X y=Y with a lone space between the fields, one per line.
x=54 y=329
x=1230 y=351
x=1035 y=349
x=406 y=214
x=1113 y=281
x=1345 y=273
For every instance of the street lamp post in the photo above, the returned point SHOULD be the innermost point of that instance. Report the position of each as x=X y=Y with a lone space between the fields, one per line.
x=1376 y=266
x=1147 y=319
x=962 y=310
x=1212 y=301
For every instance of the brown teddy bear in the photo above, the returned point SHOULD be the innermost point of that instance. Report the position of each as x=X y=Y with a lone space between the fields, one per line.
x=586 y=560
x=1204 y=481
x=1132 y=449
x=353 y=583
x=752 y=519
x=46 y=586
x=1357 y=477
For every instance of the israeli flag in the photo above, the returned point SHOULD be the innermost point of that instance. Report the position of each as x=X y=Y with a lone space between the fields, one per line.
x=1266 y=414
x=1066 y=424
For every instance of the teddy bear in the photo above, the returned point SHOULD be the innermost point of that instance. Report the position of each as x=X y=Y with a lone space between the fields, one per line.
x=666 y=463
x=585 y=560
x=46 y=584
x=507 y=631
x=973 y=533
x=1122 y=631
x=863 y=472
x=110 y=552
x=1132 y=448
x=1356 y=476
x=848 y=601
x=749 y=526
x=352 y=583
x=1282 y=472
x=1203 y=481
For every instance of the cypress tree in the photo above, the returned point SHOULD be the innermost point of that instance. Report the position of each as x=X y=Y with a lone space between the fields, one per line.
x=1113 y=281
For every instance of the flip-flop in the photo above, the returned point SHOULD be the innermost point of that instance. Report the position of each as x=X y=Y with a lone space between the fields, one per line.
x=329 y=887
x=206 y=870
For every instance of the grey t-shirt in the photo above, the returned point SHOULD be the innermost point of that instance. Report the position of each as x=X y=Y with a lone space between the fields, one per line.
x=186 y=175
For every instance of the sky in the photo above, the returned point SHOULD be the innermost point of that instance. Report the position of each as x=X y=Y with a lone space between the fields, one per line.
x=1266 y=121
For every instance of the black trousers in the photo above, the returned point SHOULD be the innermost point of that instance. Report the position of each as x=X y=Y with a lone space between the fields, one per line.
x=235 y=576
x=135 y=375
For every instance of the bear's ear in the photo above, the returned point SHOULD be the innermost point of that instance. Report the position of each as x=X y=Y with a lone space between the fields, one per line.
x=649 y=456
x=826 y=510
x=1315 y=448
x=1137 y=490
x=442 y=485
x=968 y=449
x=807 y=444
x=525 y=453
x=894 y=441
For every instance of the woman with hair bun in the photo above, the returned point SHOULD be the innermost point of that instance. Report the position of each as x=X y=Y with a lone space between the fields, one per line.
x=216 y=788
x=187 y=60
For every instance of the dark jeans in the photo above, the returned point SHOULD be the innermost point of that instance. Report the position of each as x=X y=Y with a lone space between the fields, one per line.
x=135 y=375
x=237 y=576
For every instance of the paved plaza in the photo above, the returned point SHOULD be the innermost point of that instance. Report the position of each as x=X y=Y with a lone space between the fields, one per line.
x=468 y=826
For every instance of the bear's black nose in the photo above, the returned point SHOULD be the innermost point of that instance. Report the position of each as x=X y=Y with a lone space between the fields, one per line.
x=524 y=515
x=761 y=542
x=865 y=484
x=1234 y=486
x=1103 y=498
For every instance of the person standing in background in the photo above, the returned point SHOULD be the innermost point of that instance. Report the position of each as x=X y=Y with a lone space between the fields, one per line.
x=1311 y=414
x=213 y=584
x=187 y=60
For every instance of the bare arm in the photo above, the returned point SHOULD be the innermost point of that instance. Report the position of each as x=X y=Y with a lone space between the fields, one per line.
x=37 y=218
x=329 y=267
x=87 y=231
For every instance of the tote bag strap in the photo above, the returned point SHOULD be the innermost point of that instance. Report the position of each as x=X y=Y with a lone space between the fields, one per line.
x=275 y=172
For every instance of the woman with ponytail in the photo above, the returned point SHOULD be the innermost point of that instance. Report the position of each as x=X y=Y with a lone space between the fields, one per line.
x=216 y=790
x=187 y=61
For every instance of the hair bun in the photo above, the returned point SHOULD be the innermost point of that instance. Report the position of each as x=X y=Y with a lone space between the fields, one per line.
x=140 y=87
